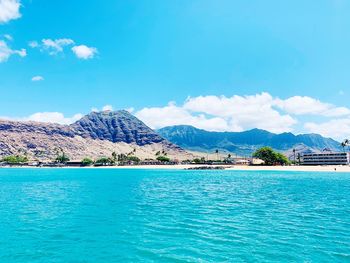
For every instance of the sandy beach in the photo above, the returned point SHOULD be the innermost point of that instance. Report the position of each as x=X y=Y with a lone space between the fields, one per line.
x=329 y=168
x=246 y=168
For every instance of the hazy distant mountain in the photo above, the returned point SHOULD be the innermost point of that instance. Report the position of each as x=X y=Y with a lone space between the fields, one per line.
x=96 y=134
x=246 y=142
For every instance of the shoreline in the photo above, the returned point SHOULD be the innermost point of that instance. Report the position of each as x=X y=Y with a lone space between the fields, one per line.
x=330 y=168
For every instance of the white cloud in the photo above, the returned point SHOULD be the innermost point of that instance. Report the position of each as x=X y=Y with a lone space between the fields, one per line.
x=49 y=117
x=33 y=44
x=107 y=108
x=174 y=115
x=8 y=37
x=104 y=108
x=53 y=117
x=54 y=46
x=298 y=105
x=94 y=109
x=237 y=113
x=22 y=52
x=130 y=110
x=9 y=10
x=336 y=128
x=37 y=78
x=6 y=52
x=84 y=52
x=243 y=112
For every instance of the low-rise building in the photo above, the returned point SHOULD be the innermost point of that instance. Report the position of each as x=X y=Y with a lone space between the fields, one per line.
x=327 y=158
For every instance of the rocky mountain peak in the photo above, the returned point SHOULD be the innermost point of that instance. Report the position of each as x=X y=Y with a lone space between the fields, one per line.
x=94 y=135
x=115 y=126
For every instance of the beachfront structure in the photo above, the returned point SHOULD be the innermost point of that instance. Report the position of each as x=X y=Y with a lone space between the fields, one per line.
x=327 y=158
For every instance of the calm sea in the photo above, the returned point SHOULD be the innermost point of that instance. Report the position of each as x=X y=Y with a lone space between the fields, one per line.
x=107 y=215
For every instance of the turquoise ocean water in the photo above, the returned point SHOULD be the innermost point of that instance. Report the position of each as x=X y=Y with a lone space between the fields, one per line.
x=111 y=215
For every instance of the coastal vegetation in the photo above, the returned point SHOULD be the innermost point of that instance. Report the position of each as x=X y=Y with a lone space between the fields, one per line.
x=104 y=161
x=199 y=160
x=62 y=158
x=266 y=154
x=115 y=159
x=134 y=159
x=87 y=162
x=270 y=157
x=15 y=159
x=345 y=143
x=163 y=159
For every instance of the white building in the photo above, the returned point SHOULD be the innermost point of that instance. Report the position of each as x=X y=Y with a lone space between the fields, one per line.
x=327 y=158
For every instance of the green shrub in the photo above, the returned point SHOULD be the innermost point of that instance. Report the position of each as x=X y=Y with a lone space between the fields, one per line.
x=133 y=159
x=62 y=158
x=103 y=161
x=15 y=159
x=270 y=157
x=163 y=159
x=87 y=162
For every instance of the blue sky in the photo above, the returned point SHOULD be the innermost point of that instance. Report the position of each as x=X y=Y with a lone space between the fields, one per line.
x=147 y=54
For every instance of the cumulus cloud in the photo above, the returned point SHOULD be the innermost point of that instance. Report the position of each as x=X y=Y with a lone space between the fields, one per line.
x=6 y=52
x=237 y=113
x=84 y=52
x=56 y=46
x=49 y=117
x=22 y=52
x=336 y=128
x=33 y=44
x=37 y=78
x=130 y=110
x=53 y=47
x=9 y=10
x=306 y=105
x=222 y=113
x=94 y=109
x=158 y=117
x=104 y=108
x=8 y=37
x=53 y=117
x=243 y=112
x=107 y=108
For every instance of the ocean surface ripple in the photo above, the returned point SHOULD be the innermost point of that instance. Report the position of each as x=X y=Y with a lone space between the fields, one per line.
x=115 y=215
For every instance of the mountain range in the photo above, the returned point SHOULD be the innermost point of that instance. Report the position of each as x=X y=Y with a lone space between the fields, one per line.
x=101 y=133
x=246 y=142
x=95 y=135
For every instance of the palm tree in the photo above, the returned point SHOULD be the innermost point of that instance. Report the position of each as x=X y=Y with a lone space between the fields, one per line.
x=343 y=144
x=347 y=142
x=228 y=159
x=294 y=154
x=114 y=157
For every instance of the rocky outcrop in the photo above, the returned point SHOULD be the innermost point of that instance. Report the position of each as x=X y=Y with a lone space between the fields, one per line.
x=40 y=128
x=96 y=134
x=115 y=126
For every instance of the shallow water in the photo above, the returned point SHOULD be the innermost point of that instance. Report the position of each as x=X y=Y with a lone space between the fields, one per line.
x=107 y=215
